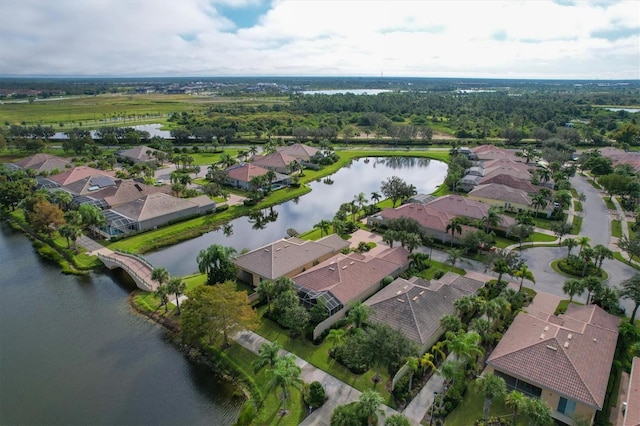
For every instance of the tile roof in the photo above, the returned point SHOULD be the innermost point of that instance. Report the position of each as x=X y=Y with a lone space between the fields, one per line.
x=91 y=184
x=491 y=152
x=281 y=257
x=153 y=205
x=632 y=414
x=512 y=181
x=506 y=170
x=463 y=206
x=562 y=353
x=429 y=218
x=245 y=171
x=416 y=306
x=275 y=160
x=507 y=162
x=299 y=151
x=138 y=153
x=348 y=277
x=78 y=173
x=43 y=162
x=619 y=156
x=495 y=191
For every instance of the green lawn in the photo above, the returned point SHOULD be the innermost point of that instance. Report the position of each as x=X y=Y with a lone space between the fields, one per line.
x=618 y=256
x=577 y=205
x=609 y=203
x=319 y=357
x=470 y=409
x=616 y=228
x=576 y=225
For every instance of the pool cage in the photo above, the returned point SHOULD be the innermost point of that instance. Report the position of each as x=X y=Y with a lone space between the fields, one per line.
x=310 y=298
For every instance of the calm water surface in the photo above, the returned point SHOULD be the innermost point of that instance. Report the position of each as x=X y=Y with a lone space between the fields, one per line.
x=72 y=353
x=364 y=175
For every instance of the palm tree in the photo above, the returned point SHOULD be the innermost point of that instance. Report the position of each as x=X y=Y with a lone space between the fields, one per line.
x=454 y=256
x=539 y=202
x=92 y=217
x=71 y=232
x=438 y=349
x=630 y=289
x=376 y=197
x=62 y=199
x=215 y=262
x=270 y=176
x=427 y=362
x=177 y=287
x=537 y=411
x=226 y=160
x=602 y=252
x=545 y=175
x=586 y=255
x=361 y=200
x=583 y=242
x=335 y=336
x=267 y=355
x=358 y=314
x=515 y=400
x=454 y=226
x=253 y=150
x=160 y=275
x=465 y=345
x=570 y=243
x=162 y=293
x=266 y=289
x=573 y=287
x=466 y=306
x=324 y=226
x=524 y=273
x=450 y=370
x=285 y=373
x=591 y=284
x=493 y=387
x=369 y=405
x=412 y=364
x=396 y=419
x=480 y=326
x=492 y=219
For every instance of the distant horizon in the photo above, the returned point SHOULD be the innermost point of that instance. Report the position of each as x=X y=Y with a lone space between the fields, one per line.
x=284 y=77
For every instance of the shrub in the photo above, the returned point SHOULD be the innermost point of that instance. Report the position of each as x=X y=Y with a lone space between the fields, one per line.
x=247 y=414
x=222 y=207
x=438 y=274
x=314 y=395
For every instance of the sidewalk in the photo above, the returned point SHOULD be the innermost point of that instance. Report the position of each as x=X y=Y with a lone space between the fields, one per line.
x=419 y=406
x=338 y=392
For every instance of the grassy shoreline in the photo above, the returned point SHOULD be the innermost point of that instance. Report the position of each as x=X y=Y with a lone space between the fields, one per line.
x=179 y=232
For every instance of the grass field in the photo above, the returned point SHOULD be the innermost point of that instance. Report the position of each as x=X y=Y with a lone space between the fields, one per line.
x=616 y=228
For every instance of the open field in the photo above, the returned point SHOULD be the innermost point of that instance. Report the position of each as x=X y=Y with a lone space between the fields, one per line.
x=110 y=110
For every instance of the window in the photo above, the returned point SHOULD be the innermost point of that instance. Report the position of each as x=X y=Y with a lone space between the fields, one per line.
x=566 y=406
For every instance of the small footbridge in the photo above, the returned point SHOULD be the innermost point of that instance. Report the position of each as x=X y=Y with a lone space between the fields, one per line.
x=138 y=268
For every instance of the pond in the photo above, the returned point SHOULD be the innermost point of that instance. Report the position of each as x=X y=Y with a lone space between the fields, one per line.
x=363 y=175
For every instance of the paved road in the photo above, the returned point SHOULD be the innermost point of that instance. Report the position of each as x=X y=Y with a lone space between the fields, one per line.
x=596 y=223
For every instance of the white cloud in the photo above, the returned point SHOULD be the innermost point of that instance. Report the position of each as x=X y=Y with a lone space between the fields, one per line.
x=525 y=38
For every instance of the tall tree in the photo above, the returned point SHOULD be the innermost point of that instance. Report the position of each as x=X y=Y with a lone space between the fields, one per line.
x=573 y=287
x=631 y=290
x=215 y=261
x=285 y=374
x=160 y=275
x=515 y=400
x=358 y=314
x=493 y=388
x=524 y=273
x=92 y=217
x=177 y=287
x=412 y=365
x=465 y=345
x=335 y=336
x=266 y=289
x=370 y=405
x=454 y=225
x=361 y=200
x=570 y=244
x=324 y=226
x=213 y=313
x=268 y=355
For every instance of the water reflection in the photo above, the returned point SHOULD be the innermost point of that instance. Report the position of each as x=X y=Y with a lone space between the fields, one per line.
x=301 y=214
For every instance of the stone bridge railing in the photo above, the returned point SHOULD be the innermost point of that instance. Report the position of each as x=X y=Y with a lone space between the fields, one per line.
x=113 y=260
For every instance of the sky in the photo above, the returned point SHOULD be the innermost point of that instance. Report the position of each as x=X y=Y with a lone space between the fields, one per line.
x=561 y=39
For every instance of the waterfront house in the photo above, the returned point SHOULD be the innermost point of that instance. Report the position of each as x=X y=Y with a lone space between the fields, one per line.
x=137 y=154
x=510 y=199
x=278 y=162
x=286 y=258
x=240 y=175
x=44 y=163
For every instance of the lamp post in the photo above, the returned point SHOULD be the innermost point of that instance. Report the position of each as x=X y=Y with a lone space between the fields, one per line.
x=435 y=394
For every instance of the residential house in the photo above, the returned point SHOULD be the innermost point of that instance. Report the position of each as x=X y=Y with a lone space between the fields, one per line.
x=513 y=182
x=299 y=151
x=137 y=154
x=107 y=192
x=78 y=173
x=618 y=156
x=565 y=359
x=240 y=175
x=44 y=163
x=415 y=306
x=466 y=207
x=510 y=199
x=491 y=152
x=632 y=408
x=433 y=221
x=286 y=258
x=345 y=279
x=278 y=162
x=152 y=211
